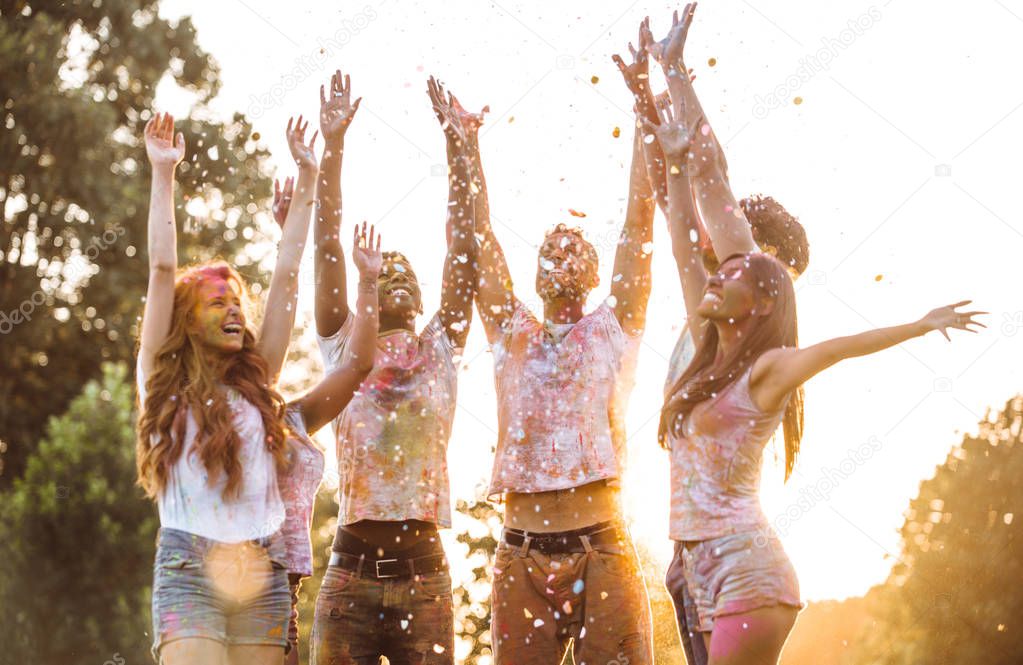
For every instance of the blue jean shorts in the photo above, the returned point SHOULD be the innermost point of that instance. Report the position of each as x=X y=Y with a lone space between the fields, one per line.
x=733 y=574
x=233 y=593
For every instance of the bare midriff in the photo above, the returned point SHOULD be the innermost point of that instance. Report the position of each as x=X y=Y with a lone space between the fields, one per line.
x=392 y=535
x=563 y=510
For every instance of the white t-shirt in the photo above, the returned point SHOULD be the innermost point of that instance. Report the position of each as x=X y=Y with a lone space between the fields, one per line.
x=561 y=397
x=392 y=438
x=191 y=502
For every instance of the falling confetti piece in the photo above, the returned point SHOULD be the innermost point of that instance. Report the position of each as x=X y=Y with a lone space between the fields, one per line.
x=567 y=607
x=537 y=623
x=576 y=213
x=674 y=170
x=529 y=615
x=577 y=587
x=797 y=101
x=511 y=119
x=594 y=80
x=878 y=278
x=603 y=595
x=616 y=132
x=712 y=61
x=438 y=648
x=255 y=136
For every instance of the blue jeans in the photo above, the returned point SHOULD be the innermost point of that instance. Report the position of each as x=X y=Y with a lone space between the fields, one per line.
x=235 y=594
x=685 y=612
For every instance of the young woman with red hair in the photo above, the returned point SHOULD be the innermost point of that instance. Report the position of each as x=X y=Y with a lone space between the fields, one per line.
x=213 y=434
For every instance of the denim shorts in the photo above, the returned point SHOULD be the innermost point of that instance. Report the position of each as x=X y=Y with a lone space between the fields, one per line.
x=235 y=594
x=732 y=574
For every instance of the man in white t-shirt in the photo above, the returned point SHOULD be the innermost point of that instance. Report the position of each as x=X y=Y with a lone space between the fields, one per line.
x=387 y=591
x=566 y=568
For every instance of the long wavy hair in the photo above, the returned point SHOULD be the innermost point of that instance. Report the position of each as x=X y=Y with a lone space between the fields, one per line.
x=186 y=378
x=778 y=329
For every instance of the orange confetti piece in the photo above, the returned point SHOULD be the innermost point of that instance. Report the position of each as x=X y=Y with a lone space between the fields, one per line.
x=594 y=80
x=616 y=132
x=255 y=136
x=576 y=213
x=712 y=62
x=878 y=278
x=797 y=101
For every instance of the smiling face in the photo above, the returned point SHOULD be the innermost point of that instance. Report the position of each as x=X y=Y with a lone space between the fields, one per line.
x=398 y=287
x=217 y=317
x=729 y=293
x=566 y=267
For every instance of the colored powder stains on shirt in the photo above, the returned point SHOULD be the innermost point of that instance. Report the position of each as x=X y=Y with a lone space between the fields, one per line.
x=194 y=503
x=392 y=437
x=561 y=392
x=716 y=456
x=298 y=483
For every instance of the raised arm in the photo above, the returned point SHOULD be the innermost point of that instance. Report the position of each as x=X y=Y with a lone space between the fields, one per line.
x=725 y=223
x=165 y=151
x=495 y=296
x=460 y=264
x=282 y=298
x=630 y=286
x=324 y=402
x=331 y=300
x=674 y=139
x=637 y=79
x=780 y=371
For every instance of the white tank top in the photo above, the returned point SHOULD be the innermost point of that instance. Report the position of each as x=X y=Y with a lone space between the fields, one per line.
x=189 y=502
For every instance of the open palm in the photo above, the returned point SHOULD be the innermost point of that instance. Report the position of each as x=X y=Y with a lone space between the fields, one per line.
x=337 y=111
x=162 y=147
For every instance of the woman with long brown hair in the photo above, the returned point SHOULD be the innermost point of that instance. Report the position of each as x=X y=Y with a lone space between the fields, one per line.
x=745 y=379
x=212 y=433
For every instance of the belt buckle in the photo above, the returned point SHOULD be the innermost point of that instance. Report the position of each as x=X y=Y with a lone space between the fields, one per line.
x=381 y=576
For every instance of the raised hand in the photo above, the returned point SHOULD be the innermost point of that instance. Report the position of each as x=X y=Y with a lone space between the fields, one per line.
x=942 y=318
x=637 y=74
x=669 y=51
x=337 y=111
x=282 y=199
x=366 y=252
x=671 y=133
x=304 y=155
x=471 y=122
x=450 y=120
x=162 y=147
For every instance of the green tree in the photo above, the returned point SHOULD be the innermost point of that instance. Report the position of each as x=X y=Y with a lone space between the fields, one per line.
x=954 y=595
x=79 y=80
x=77 y=538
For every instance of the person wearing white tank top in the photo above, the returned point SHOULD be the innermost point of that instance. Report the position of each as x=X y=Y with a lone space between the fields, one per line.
x=744 y=380
x=211 y=430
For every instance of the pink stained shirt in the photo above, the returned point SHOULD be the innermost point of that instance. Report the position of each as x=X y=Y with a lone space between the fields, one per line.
x=561 y=397
x=392 y=438
x=716 y=454
x=298 y=483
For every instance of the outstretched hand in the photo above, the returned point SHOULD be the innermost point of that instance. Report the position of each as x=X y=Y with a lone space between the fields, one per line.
x=304 y=155
x=669 y=51
x=457 y=123
x=282 y=199
x=943 y=318
x=366 y=251
x=637 y=74
x=337 y=111
x=671 y=133
x=162 y=147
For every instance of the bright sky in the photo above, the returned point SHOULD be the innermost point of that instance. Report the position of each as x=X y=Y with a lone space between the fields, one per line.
x=893 y=161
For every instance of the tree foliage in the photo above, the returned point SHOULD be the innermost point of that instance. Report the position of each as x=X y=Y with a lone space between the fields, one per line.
x=77 y=538
x=954 y=596
x=78 y=85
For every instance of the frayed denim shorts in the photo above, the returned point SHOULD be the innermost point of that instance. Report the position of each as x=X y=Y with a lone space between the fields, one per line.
x=732 y=574
x=233 y=593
